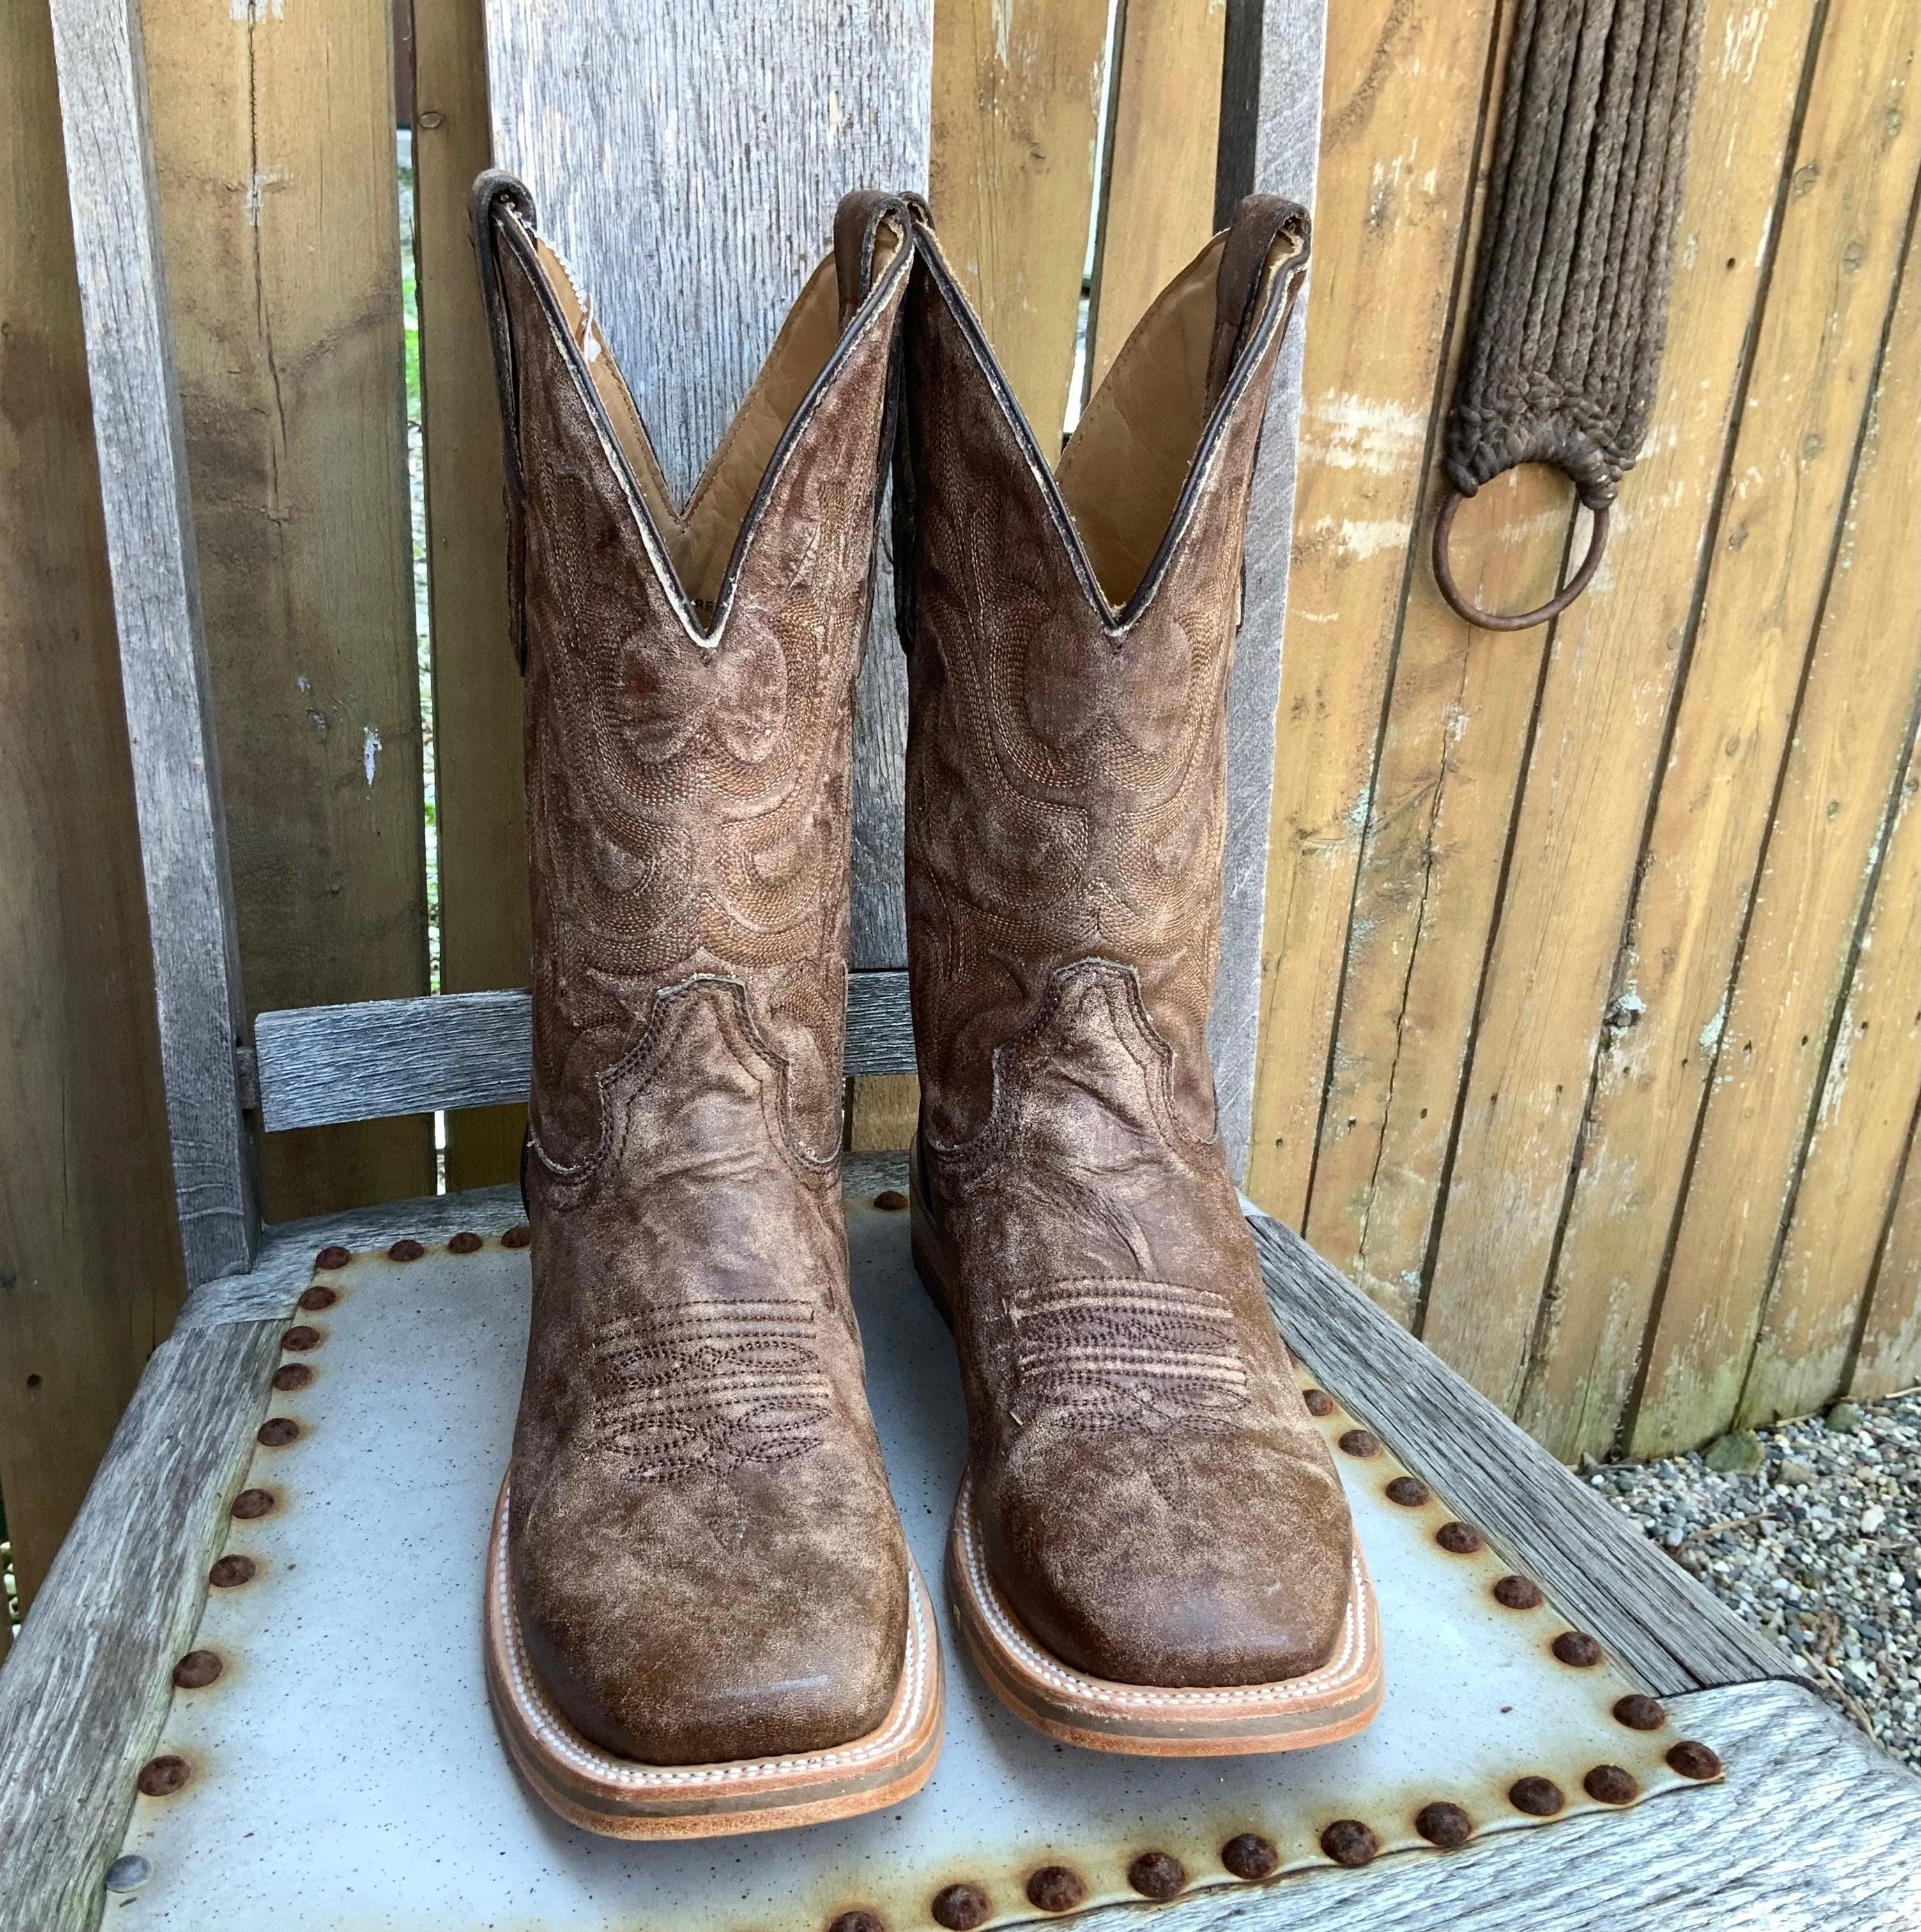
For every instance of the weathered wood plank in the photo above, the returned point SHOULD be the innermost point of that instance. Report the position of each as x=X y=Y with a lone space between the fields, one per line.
x=151 y=555
x=885 y=1113
x=1556 y=967
x=1664 y=1627
x=1888 y=1356
x=1852 y=1168
x=90 y=1267
x=1403 y=98
x=486 y=932
x=274 y=147
x=85 y=1689
x=1017 y=101
x=1839 y=233
x=1163 y=136
x=1854 y=728
x=1286 y=161
x=321 y=1064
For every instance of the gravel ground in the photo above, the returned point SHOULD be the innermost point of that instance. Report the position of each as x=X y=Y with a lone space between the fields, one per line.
x=1811 y=1531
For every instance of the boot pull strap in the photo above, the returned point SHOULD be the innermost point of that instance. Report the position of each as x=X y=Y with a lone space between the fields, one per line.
x=1260 y=221
x=856 y=229
x=497 y=190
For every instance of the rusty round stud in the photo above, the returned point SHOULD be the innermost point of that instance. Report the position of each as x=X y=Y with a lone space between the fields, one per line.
x=961 y=1907
x=1319 y=1401
x=1460 y=1539
x=1518 y=1593
x=197 y=1669
x=292 y=1375
x=230 y=1572
x=1639 y=1713
x=891 y=1200
x=1693 y=1759
x=406 y=1249
x=466 y=1242
x=333 y=1257
x=858 y=1920
x=1409 y=1491
x=1157 y=1874
x=301 y=1338
x=1055 y=1888
x=1578 y=1649
x=1360 y=1442
x=1611 y=1784
x=252 y=1503
x=518 y=1236
x=1538 y=1797
x=319 y=1296
x=277 y=1431
x=1445 y=1824
x=1250 y=1856
x=1349 y=1842
x=162 y=1777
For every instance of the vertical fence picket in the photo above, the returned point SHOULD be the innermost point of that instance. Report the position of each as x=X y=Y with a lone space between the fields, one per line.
x=274 y=147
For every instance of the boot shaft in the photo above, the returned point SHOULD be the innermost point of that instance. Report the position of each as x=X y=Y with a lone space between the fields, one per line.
x=689 y=676
x=1069 y=638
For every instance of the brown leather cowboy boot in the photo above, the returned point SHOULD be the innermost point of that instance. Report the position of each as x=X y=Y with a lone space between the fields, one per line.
x=1151 y=1552
x=701 y=1615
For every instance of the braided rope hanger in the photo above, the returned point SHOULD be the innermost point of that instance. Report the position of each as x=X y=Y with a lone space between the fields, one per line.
x=1569 y=310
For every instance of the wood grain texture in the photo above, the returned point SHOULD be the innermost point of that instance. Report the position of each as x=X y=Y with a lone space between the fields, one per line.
x=274 y=147
x=321 y=1064
x=1888 y=1354
x=486 y=930
x=1403 y=98
x=90 y=1265
x=1851 y=1172
x=155 y=572
x=85 y=1690
x=1555 y=967
x=1853 y=730
x=1663 y=1626
x=1163 y=138
x=885 y=1113
x=1016 y=96
x=1286 y=147
x=1839 y=233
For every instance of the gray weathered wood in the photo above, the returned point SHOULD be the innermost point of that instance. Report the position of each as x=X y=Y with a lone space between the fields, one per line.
x=1286 y=146
x=319 y=1065
x=85 y=1690
x=686 y=161
x=1663 y=1626
x=157 y=607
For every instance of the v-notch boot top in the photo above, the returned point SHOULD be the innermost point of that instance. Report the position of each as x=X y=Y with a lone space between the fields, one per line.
x=1151 y=1551
x=696 y=1561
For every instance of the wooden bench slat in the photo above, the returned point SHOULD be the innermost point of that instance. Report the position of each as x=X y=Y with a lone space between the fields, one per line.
x=318 y=1065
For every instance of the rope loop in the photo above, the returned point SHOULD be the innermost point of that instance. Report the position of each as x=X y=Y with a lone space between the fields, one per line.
x=1494 y=620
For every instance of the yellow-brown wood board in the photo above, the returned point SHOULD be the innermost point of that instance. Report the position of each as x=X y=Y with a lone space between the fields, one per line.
x=1888 y=1354
x=1851 y=732
x=1786 y=483
x=1016 y=96
x=90 y=1265
x=1158 y=200
x=274 y=146
x=1402 y=108
x=486 y=934
x=1560 y=975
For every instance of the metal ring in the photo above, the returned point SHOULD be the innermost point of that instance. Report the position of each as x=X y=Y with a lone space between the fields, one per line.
x=1493 y=620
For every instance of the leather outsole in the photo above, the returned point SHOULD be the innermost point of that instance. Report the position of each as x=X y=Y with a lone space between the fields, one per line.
x=1319 y=1707
x=619 y=1798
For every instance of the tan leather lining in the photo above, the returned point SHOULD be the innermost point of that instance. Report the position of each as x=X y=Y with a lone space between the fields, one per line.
x=699 y=536
x=1122 y=473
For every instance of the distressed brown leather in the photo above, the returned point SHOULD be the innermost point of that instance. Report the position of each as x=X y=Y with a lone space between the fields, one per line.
x=1153 y=1501
x=705 y=1557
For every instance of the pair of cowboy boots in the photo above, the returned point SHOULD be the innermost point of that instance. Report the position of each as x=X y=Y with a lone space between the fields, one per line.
x=701 y=1614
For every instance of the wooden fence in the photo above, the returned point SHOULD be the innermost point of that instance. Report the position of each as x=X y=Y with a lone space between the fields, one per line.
x=1590 y=1038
